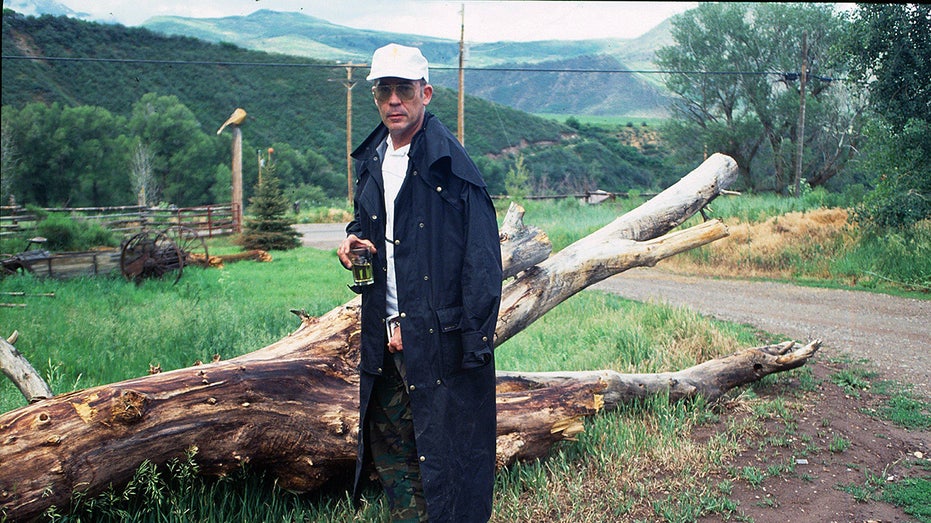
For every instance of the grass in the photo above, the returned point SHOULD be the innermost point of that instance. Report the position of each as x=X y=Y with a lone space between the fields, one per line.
x=105 y=329
x=101 y=330
x=640 y=463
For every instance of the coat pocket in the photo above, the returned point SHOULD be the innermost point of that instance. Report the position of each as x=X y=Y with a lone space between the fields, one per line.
x=449 y=319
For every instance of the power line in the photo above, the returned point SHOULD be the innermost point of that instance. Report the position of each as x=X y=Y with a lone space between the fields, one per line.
x=788 y=76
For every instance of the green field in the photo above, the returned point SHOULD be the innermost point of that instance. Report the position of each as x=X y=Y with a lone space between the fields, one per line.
x=101 y=330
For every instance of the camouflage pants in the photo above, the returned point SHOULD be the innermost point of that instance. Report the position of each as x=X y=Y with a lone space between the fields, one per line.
x=391 y=439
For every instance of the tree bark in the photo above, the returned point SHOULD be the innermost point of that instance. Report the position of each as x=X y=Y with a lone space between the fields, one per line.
x=292 y=407
x=21 y=372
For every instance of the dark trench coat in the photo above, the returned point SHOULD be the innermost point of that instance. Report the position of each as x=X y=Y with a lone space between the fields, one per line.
x=448 y=269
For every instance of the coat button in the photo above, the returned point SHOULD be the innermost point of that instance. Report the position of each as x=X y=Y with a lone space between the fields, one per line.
x=397 y=242
x=425 y=278
x=439 y=381
x=484 y=338
x=431 y=331
x=374 y=217
x=439 y=189
x=423 y=458
x=421 y=225
x=375 y=158
x=403 y=315
x=379 y=370
x=413 y=387
x=414 y=173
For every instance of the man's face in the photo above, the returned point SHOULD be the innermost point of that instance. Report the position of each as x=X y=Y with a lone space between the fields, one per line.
x=401 y=104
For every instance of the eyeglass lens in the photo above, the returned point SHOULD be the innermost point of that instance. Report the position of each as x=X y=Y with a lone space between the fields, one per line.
x=383 y=92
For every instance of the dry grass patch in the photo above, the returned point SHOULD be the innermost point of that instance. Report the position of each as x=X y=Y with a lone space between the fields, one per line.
x=790 y=245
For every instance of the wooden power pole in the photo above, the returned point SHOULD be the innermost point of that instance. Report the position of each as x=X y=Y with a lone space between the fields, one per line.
x=801 y=116
x=460 y=128
x=349 y=83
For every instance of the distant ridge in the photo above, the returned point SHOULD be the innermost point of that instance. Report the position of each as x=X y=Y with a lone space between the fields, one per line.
x=594 y=94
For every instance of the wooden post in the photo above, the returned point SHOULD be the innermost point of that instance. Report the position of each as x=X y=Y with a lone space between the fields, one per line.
x=237 y=179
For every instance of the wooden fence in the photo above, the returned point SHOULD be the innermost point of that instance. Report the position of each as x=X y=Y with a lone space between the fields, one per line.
x=208 y=220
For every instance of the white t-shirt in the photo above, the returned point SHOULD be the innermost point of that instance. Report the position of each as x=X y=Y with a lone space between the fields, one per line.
x=393 y=170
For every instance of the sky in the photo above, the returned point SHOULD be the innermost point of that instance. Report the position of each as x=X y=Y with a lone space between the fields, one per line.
x=485 y=20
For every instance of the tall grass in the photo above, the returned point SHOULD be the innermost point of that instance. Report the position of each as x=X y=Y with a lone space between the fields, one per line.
x=101 y=330
x=568 y=220
x=106 y=329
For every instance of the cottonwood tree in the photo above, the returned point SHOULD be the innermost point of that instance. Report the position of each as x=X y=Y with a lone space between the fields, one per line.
x=140 y=170
x=7 y=164
x=727 y=72
x=889 y=49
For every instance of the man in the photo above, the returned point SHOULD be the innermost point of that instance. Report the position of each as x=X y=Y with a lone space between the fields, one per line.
x=427 y=376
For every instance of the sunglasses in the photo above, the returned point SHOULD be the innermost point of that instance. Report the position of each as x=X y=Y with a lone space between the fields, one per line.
x=406 y=91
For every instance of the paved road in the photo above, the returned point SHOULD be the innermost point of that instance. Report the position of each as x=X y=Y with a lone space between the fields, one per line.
x=894 y=333
x=321 y=235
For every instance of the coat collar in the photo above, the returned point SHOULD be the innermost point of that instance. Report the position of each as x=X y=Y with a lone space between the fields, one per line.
x=438 y=147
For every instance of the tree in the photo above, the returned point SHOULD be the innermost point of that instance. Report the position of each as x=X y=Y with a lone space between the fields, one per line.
x=516 y=181
x=733 y=94
x=268 y=228
x=183 y=155
x=96 y=153
x=889 y=49
x=8 y=161
x=140 y=171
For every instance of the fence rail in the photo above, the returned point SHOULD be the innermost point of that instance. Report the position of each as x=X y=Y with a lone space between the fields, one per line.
x=208 y=220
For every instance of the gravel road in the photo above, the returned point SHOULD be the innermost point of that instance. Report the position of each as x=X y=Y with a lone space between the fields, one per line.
x=894 y=333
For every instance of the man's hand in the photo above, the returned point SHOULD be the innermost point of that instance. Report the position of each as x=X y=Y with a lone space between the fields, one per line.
x=351 y=242
x=394 y=344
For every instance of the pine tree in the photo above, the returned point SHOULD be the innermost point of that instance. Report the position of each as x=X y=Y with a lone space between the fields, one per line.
x=268 y=228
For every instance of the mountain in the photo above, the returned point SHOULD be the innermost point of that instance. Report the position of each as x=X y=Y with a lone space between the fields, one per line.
x=43 y=7
x=605 y=93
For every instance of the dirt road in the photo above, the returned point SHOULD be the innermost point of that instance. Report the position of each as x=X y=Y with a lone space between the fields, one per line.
x=894 y=333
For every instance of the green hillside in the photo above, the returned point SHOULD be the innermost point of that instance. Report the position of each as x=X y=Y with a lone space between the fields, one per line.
x=297 y=105
x=587 y=94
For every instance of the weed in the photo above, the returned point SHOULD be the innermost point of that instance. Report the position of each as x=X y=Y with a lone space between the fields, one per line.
x=838 y=444
x=913 y=495
x=752 y=475
x=907 y=411
x=853 y=380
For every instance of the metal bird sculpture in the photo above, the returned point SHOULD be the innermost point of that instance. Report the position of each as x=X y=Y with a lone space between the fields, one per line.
x=238 y=116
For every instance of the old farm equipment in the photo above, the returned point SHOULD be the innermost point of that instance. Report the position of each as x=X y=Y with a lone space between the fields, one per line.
x=24 y=261
x=153 y=254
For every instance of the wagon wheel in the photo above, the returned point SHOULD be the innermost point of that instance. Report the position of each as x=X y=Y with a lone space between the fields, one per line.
x=150 y=255
x=192 y=245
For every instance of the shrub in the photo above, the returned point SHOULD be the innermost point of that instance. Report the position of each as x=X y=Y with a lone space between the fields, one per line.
x=67 y=234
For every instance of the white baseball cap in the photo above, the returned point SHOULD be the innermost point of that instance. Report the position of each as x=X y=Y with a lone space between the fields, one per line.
x=398 y=61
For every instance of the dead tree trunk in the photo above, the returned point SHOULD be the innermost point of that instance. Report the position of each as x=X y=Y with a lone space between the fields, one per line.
x=292 y=407
x=21 y=372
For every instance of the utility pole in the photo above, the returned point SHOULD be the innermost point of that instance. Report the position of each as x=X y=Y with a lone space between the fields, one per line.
x=461 y=124
x=349 y=83
x=801 y=116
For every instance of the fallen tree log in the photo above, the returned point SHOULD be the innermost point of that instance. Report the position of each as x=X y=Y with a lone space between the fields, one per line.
x=291 y=407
